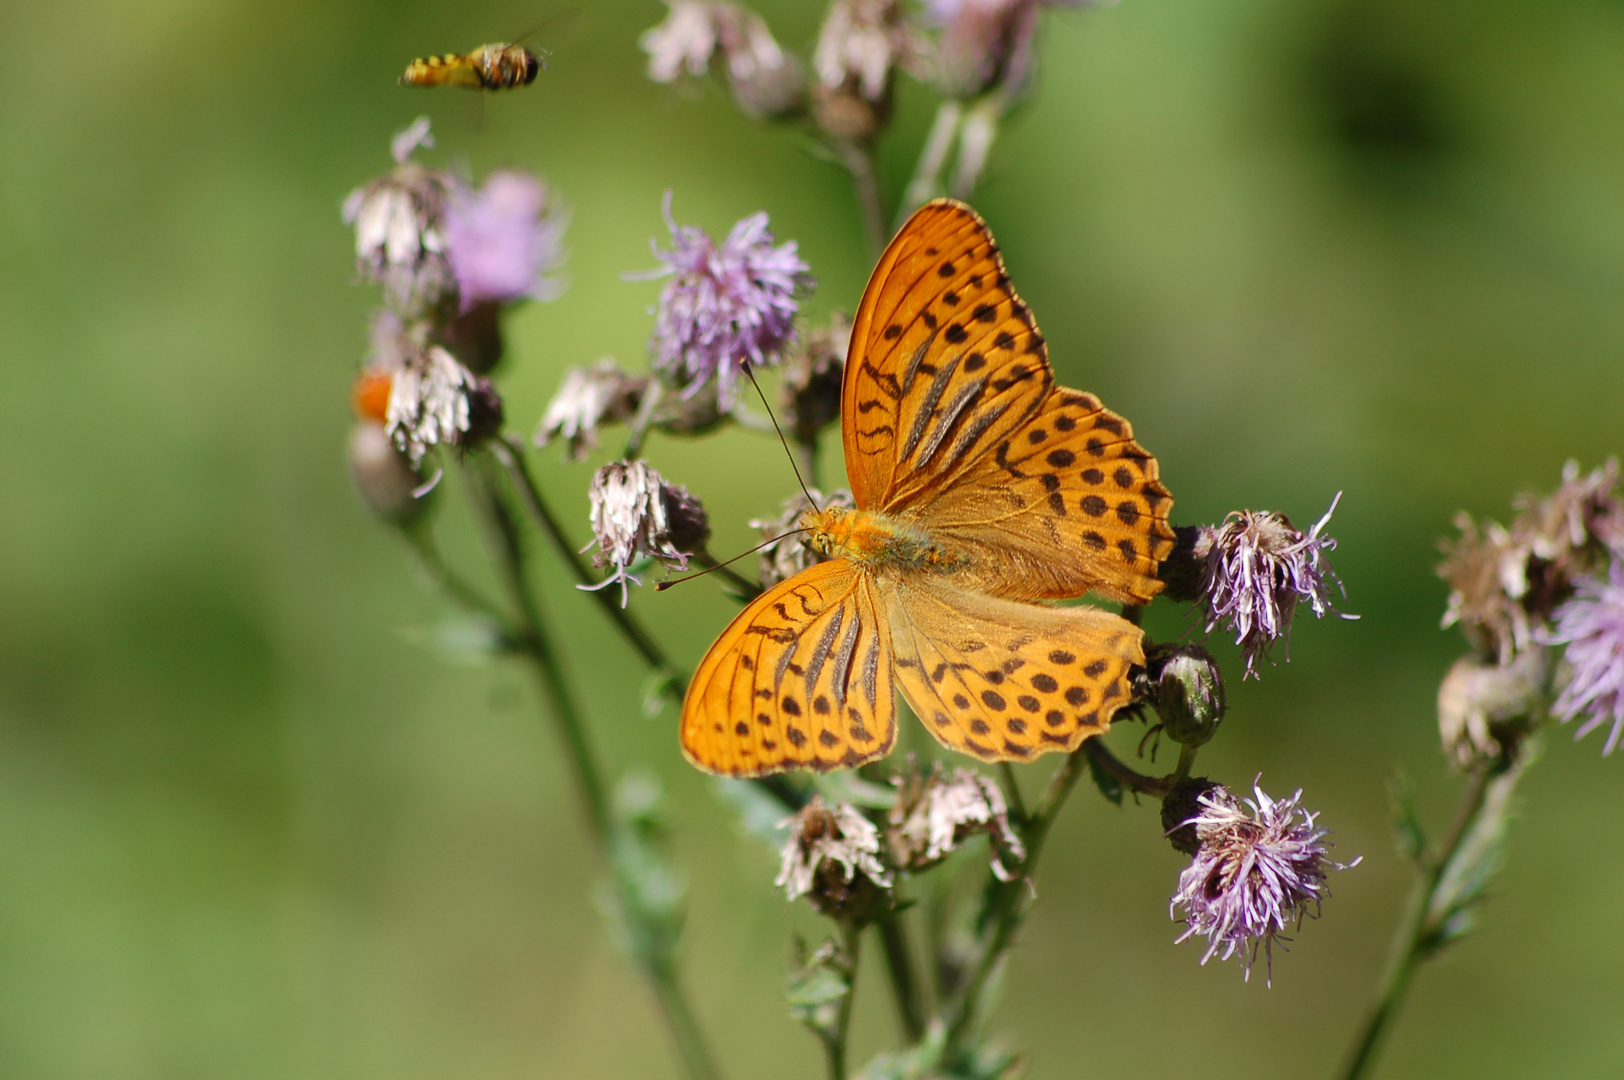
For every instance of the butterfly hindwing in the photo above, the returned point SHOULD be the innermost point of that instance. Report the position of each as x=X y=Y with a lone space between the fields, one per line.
x=801 y=679
x=1006 y=681
x=945 y=360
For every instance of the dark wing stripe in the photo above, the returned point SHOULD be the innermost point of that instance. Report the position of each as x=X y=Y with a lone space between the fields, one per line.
x=820 y=652
x=871 y=669
x=927 y=408
x=840 y=674
x=951 y=415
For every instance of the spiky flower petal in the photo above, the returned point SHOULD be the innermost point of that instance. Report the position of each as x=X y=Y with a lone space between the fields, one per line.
x=935 y=814
x=1591 y=626
x=1258 y=567
x=1260 y=868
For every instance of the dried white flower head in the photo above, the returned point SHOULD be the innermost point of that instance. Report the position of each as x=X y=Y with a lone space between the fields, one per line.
x=400 y=238
x=935 y=814
x=832 y=857
x=764 y=79
x=788 y=552
x=587 y=399
x=1257 y=569
x=1485 y=708
x=861 y=42
x=1258 y=870
x=429 y=402
x=636 y=515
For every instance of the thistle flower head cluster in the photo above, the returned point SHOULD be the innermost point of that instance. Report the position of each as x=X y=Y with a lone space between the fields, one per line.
x=861 y=43
x=1506 y=582
x=833 y=858
x=1259 y=868
x=1256 y=568
x=400 y=240
x=724 y=303
x=637 y=515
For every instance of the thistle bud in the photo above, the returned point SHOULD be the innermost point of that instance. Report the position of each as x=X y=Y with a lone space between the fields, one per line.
x=1188 y=693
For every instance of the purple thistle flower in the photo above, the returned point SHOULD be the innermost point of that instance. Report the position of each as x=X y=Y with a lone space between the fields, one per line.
x=1254 y=874
x=724 y=303
x=504 y=239
x=1257 y=569
x=636 y=515
x=1591 y=625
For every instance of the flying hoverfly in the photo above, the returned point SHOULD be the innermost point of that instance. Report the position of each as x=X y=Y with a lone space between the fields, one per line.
x=499 y=66
x=489 y=67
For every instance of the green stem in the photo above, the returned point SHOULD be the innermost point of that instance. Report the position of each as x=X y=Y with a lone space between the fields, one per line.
x=697 y=1060
x=1012 y=791
x=1137 y=782
x=859 y=161
x=685 y=1032
x=433 y=564
x=1002 y=909
x=926 y=183
x=537 y=645
x=1415 y=939
x=512 y=459
x=904 y=987
x=834 y=1046
x=977 y=134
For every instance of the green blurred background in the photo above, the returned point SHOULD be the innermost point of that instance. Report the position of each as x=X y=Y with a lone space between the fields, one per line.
x=250 y=826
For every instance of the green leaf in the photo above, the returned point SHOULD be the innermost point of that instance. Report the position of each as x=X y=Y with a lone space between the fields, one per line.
x=1108 y=785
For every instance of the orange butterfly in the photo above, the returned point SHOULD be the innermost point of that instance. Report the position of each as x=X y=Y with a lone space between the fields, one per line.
x=980 y=487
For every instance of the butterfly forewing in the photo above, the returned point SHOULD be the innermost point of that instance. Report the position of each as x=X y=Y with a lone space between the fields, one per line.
x=801 y=679
x=953 y=421
x=945 y=360
x=1067 y=504
x=1006 y=681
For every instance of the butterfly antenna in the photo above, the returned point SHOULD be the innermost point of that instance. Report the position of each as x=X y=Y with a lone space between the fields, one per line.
x=744 y=362
x=661 y=586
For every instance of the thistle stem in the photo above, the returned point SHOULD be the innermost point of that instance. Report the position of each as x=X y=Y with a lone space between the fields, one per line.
x=697 y=1061
x=927 y=177
x=834 y=1046
x=1422 y=931
x=535 y=642
x=512 y=460
x=859 y=161
x=904 y=986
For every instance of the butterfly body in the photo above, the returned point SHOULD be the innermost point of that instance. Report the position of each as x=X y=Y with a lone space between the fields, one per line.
x=981 y=490
x=878 y=541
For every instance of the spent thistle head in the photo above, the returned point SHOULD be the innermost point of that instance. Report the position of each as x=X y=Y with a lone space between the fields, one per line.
x=637 y=515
